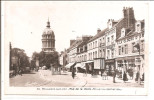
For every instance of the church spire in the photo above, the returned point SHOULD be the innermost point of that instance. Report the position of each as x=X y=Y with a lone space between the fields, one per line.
x=48 y=23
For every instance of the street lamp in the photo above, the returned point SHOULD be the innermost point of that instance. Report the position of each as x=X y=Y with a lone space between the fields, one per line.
x=138 y=60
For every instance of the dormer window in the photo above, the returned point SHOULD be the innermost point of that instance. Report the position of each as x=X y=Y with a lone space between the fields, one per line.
x=138 y=26
x=122 y=32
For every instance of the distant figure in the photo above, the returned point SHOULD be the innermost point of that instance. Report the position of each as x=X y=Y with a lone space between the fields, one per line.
x=73 y=73
x=20 y=71
x=125 y=77
x=104 y=76
x=114 y=75
x=15 y=69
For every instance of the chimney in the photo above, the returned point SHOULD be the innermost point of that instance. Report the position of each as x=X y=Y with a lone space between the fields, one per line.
x=98 y=30
x=71 y=42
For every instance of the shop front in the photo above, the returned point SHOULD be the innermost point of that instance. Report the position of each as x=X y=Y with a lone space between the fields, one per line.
x=99 y=66
x=129 y=65
x=110 y=66
x=80 y=67
x=89 y=67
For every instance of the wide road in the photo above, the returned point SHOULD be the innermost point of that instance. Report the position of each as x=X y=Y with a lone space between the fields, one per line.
x=44 y=78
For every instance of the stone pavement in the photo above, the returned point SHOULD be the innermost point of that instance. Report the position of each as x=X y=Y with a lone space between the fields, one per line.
x=82 y=80
x=63 y=80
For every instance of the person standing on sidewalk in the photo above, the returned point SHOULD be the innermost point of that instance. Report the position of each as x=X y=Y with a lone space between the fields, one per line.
x=73 y=73
x=114 y=75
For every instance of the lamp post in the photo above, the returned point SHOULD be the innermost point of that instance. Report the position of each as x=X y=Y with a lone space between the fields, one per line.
x=138 y=61
x=139 y=79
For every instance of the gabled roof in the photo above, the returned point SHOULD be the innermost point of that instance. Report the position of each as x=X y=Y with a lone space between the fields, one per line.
x=98 y=35
x=118 y=22
x=132 y=32
x=76 y=43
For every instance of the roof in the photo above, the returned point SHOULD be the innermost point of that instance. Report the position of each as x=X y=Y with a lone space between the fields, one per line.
x=131 y=32
x=48 y=31
x=77 y=42
x=98 y=35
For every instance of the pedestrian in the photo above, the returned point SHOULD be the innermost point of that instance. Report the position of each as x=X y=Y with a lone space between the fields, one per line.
x=15 y=69
x=114 y=75
x=73 y=73
x=104 y=75
x=125 y=77
x=20 y=71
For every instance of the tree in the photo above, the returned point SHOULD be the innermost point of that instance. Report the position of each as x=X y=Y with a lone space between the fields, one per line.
x=23 y=59
x=46 y=59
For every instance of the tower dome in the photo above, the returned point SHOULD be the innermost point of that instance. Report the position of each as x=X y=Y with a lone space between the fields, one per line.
x=48 y=39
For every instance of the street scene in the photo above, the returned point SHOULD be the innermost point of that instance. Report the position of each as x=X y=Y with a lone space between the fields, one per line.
x=113 y=55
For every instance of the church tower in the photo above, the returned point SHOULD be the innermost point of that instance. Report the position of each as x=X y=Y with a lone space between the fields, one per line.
x=48 y=39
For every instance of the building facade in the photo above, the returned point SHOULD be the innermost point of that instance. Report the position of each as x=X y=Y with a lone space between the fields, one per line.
x=130 y=51
x=96 y=52
x=119 y=47
x=113 y=32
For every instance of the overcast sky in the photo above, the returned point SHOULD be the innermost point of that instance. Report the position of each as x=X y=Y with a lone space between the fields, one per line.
x=26 y=20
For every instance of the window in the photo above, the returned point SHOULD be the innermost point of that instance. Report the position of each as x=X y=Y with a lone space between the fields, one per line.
x=100 y=53
x=103 y=52
x=126 y=49
x=138 y=27
x=142 y=45
x=108 y=54
x=122 y=50
x=112 y=37
x=83 y=48
x=108 y=39
x=84 y=57
x=112 y=53
x=133 y=48
x=93 y=55
x=119 y=50
x=93 y=45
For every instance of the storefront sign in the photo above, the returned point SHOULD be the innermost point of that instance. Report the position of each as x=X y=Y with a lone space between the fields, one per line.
x=111 y=46
x=110 y=61
x=125 y=40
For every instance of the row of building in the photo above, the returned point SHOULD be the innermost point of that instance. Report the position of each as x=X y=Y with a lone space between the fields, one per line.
x=120 y=47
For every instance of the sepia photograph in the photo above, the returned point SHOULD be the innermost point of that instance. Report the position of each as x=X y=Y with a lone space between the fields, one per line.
x=75 y=47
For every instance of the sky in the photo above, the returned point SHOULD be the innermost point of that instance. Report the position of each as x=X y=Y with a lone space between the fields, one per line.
x=25 y=21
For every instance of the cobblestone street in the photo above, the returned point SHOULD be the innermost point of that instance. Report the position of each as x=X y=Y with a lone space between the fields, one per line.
x=44 y=78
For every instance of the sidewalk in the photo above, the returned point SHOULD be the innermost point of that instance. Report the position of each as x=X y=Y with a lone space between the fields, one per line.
x=82 y=80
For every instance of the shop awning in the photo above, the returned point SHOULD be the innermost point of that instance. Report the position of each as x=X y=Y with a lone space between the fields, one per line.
x=81 y=65
x=89 y=61
x=69 y=65
x=77 y=65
